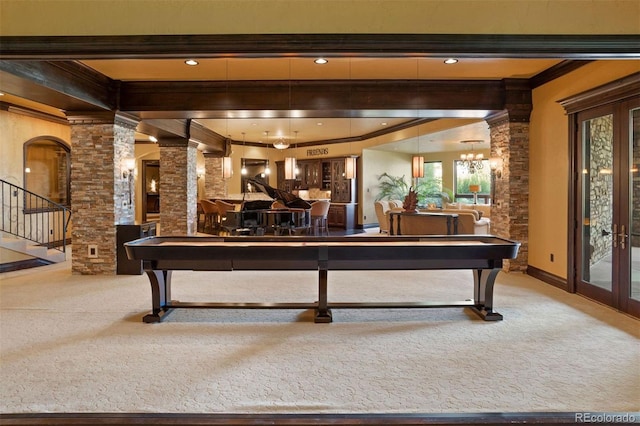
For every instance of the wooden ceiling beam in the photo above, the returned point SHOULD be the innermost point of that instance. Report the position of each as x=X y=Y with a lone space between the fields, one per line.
x=579 y=46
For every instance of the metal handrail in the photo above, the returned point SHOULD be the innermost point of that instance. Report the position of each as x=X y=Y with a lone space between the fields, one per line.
x=30 y=216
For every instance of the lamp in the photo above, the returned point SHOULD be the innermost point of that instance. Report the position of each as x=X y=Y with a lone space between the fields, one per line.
x=281 y=143
x=350 y=167
x=290 y=165
x=289 y=168
x=495 y=164
x=417 y=166
x=227 y=170
x=243 y=170
x=128 y=165
x=472 y=162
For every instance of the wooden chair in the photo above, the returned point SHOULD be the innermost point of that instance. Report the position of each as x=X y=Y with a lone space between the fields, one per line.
x=223 y=208
x=319 y=212
x=211 y=215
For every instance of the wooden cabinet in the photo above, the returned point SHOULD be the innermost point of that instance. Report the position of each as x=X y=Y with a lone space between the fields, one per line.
x=342 y=189
x=342 y=216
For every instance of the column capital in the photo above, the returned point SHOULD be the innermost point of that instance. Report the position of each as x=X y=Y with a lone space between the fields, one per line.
x=102 y=117
x=177 y=142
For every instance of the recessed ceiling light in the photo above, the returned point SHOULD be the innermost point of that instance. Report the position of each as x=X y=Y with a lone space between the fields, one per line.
x=1 y=94
x=153 y=139
x=321 y=61
x=191 y=62
x=319 y=123
x=384 y=123
x=451 y=61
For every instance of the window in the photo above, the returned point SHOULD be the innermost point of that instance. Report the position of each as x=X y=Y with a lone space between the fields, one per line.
x=47 y=169
x=429 y=187
x=465 y=180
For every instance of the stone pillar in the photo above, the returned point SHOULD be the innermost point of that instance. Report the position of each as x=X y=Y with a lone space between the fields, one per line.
x=510 y=208
x=214 y=185
x=100 y=195
x=178 y=187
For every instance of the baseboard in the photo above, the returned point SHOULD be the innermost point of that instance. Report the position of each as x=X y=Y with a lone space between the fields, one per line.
x=86 y=419
x=548 y=278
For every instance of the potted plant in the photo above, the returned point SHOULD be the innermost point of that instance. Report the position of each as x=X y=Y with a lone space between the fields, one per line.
x=392 y=187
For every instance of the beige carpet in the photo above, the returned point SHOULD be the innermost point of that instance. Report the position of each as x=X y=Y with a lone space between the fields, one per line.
x=74 y=343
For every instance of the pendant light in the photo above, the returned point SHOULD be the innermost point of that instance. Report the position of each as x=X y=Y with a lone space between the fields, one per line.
x=290 y=165
x=243 y=170
x=417 y=162
x=350 y=161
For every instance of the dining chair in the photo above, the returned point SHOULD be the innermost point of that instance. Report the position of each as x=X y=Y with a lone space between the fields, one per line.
x=319 y=213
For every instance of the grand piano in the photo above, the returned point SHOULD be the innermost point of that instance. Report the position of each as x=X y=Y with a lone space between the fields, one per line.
x=259 y=218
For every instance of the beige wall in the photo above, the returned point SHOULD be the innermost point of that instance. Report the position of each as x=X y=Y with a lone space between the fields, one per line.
x=549 y=159
x=106 y=17
x=375 y=163
x=15 y=130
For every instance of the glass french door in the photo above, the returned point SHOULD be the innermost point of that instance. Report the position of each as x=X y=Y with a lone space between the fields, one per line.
x=608 y=264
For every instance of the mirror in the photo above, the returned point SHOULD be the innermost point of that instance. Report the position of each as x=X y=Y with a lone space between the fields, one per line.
x=255 y=169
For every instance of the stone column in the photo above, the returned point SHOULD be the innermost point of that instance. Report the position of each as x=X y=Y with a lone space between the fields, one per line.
x=214 y=185
x=510 y=208
x=178 y=187
x=99 y=193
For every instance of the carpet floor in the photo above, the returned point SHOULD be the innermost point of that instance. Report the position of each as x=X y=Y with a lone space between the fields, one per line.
x=73 y=343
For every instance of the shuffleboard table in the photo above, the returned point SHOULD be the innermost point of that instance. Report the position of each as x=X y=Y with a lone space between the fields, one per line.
x=483 y=254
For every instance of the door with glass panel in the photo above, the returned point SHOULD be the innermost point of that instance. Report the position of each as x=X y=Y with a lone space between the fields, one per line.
x=608 y=262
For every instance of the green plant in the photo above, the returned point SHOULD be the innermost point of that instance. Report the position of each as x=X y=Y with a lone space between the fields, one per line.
x=392 y=187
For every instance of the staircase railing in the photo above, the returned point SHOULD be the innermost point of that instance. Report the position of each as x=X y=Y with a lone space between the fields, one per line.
x=33 y=217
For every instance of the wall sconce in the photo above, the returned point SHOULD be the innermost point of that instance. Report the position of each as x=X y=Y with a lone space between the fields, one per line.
x=417 y=167
x=128 y=167
x=200 y=172
x=227 y=169
x=495 y=164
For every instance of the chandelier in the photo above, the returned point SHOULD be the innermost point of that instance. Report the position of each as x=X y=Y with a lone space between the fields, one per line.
x=472 y=162
x=281 y=143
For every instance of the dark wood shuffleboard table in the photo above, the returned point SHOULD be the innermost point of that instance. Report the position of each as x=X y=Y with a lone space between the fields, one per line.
x=483 y=254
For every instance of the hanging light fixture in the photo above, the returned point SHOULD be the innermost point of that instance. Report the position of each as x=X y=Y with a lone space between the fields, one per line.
x=350 y=161
x=417 y=162
x=281 y=143
x=227 y=167
x=417 y=166
x=243 y=170
x=267 y=170
x=290 y=166
x=472 y=162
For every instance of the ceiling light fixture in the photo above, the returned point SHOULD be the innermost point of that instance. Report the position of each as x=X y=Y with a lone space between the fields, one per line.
x=153 y=139
x=321 y=61
x=191 y=62
x=450 y=61
x=472 y=162
x=281 y=143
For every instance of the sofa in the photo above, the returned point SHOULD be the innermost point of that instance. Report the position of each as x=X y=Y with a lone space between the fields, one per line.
x=469 y=220
x=383 y=207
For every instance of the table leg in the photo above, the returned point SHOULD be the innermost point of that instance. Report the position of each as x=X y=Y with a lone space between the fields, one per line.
x=323 y=313
x=160 y=293
x=484 y=280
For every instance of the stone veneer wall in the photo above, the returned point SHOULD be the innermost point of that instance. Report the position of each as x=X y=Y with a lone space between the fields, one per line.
x=99 y=194
x=600 y=188
x=510 y=211
x=635 y=182
x=214 y=185
x=178 y=187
